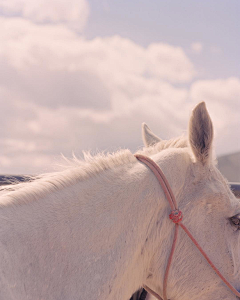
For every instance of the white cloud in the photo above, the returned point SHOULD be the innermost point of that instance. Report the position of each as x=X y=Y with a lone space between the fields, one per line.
x=60 y=92
x=73 y=13
x=197 y=47
x=221 y=92
x=56 y=47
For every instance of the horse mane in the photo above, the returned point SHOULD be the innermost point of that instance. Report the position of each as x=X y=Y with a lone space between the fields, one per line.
x=75 y=170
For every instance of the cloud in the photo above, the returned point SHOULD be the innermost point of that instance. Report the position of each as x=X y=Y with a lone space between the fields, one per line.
x=55 y=88
x=57 y=48
x=197 y=47
x=61 y=92
x=73 y=13
x=54 y=67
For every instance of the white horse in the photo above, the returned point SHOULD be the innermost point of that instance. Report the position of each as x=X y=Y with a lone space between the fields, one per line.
x=100 y=230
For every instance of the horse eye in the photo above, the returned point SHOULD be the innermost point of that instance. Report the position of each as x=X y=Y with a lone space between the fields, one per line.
x=235 y=221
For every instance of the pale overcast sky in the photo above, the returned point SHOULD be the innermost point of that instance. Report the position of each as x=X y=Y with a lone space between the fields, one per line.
x=84 y=74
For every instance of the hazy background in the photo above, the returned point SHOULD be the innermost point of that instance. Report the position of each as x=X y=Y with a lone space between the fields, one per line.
x=83 y=75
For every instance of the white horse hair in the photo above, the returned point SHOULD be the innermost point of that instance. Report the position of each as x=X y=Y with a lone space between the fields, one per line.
x=99 y=230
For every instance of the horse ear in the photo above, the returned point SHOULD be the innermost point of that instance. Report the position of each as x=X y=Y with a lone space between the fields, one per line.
x=149 y=138
x=201 y=133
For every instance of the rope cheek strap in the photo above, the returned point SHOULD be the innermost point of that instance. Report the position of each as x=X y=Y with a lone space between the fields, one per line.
x=176 y=216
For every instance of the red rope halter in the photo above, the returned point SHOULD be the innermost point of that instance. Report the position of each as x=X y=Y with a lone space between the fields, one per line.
x=176 y=216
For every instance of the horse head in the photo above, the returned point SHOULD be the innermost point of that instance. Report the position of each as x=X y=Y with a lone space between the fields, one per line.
x=210 y=212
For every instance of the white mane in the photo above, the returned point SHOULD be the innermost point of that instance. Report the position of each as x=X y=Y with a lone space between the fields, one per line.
x=76 y=170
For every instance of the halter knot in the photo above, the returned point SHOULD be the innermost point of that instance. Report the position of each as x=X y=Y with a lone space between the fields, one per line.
x=176 y=216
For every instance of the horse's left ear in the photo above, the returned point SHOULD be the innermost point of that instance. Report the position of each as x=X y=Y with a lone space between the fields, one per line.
x=149 y=138
x=201 y=134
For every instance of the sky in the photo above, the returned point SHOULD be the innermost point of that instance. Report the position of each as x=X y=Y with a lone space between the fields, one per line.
x=85 y=74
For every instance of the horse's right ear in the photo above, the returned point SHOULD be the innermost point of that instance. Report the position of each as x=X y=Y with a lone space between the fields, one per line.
x=149 y=138
x=201 y=134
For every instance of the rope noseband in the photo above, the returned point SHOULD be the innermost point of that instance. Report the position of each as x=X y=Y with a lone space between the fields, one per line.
x=176 y=216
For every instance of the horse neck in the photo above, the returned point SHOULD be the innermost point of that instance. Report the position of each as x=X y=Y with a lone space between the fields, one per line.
x=106 y=225
x=125 y=210
x=175 y=166
x=139 y=205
